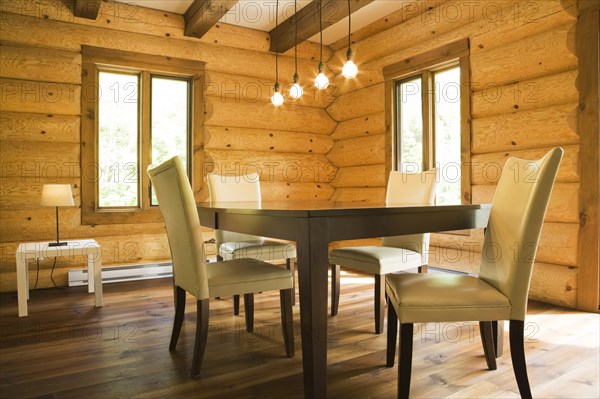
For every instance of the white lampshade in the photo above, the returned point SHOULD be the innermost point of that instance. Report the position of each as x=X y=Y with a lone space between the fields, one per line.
x=57 y=195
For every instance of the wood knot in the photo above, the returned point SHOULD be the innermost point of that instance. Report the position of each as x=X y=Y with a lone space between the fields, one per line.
x=29 y=218
x=43 y=132
x=513 y=142
x=583 y=219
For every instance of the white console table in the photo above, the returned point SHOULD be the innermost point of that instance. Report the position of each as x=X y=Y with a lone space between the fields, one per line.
x=40 y=250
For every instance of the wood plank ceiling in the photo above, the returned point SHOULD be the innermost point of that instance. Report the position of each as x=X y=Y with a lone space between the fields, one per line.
x=204 y=14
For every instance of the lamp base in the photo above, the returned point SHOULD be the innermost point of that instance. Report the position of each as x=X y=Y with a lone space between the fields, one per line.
x=58 y=244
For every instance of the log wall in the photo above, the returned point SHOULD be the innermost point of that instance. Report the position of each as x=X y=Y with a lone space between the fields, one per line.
x=40 y=119
x=524 y=102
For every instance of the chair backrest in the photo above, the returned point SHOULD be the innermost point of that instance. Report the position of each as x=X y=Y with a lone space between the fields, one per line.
x=514 y=227
x=178 y=208
x=225 y=188
x=411 y=189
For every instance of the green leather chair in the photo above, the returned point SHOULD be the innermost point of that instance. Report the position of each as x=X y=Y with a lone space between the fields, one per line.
x=208 y=280
x=399 y=253
x=499 y=292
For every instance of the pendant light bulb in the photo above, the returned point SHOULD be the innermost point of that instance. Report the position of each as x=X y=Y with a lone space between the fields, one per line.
x=296 y=91
x=350 y=70
x=321 y=81
x=277 y=98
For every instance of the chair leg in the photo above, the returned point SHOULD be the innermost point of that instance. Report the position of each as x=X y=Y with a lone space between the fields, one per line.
x=392 y=335
x=379 y=302
x=179 y=314
x=405 y=360
x=249 y=311
x=335 y=289
x=498 y=332
x=517 y=353
x=290 y=266
x=236 y=305
x=287 y=321
x=487 y=340
x=201 y=335
x=422 y=269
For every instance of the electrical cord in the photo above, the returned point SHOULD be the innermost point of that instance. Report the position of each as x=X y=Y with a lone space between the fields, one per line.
x=37 y=273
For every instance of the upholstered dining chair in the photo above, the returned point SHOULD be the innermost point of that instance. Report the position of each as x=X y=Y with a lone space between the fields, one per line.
x=397 y=253
x=231 y=245
x=208 y=280
x=499 y=292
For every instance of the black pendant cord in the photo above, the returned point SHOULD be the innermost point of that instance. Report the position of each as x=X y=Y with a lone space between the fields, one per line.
x=295 y=40
x=349 y=26
x=320 y=36
x=277 y=45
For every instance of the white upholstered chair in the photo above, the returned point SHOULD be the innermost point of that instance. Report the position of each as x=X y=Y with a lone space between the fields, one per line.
x=231 y=245
x=499 y=292
x=208 y=280
x=397 y=253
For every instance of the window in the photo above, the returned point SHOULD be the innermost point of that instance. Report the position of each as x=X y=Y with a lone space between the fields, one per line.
x=429 y=116
x=137 y=110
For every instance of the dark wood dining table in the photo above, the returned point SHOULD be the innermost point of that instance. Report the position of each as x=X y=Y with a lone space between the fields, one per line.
x=313 y=225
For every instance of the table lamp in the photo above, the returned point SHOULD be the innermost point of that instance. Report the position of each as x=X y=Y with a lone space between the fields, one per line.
x=57 y=195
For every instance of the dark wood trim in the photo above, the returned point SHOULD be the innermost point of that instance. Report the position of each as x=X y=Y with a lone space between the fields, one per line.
x=204 y=14
x=307 y=19
x=87 y=9
x=587 y=49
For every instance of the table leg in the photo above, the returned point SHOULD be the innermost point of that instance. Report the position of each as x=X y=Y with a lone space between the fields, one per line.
x=311 y=244
x=22 y=285
x=95 y=269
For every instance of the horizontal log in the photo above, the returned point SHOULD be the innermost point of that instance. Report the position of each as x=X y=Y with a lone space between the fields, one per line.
x=41 y=97
x=40 y=225
x=545 y=91
x=285 y=167
x=551 y=126
x=360 y=176
x=563 y=206
x=263 y=115
x=244 y=139
x=358 y=194
x=18 y=193
x=537 y=55
x=43 y=128
x=362 y=126
x=48 y=160
x=558 y=244
x=554 y=284
x=487 y=168
x=25 y=30
x=297 y=191
x=523 y=19
x=240 y=88
x=130 y=17
x=369 y=150
x=358 y=103
x=45 y=65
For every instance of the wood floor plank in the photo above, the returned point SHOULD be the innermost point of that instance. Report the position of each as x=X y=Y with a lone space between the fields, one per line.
x=66 y=348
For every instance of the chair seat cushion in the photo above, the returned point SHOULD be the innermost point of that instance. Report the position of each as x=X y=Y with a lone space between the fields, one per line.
x=376 y=260
x=421 y=298
x=266 y=251
x=245 y=276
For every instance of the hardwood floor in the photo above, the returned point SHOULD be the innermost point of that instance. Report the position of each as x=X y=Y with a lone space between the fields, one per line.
x=66 y=348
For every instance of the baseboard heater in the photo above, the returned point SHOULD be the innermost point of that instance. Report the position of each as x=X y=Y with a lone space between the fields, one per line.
x=117 y=274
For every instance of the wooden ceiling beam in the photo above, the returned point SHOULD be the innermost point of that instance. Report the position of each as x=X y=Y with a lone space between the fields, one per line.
x=332 y=11
x=204 y=14
x=87 y=8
